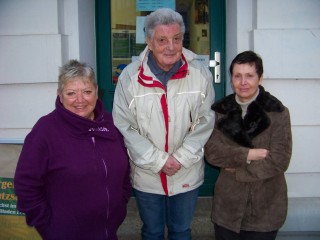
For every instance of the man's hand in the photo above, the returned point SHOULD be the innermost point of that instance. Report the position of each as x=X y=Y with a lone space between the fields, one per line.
x=171 y=167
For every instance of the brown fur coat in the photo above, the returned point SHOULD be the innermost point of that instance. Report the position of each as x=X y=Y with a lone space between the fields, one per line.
x=254 y=197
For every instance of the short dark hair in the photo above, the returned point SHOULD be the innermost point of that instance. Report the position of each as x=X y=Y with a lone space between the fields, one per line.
x=248 y=57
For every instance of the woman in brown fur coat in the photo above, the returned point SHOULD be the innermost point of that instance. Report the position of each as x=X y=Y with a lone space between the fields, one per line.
x=251 y=144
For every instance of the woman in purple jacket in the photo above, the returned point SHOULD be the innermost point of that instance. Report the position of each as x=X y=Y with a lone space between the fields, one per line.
x=72 y=178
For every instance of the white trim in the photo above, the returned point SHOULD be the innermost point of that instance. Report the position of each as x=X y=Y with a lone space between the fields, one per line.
x=11 y=141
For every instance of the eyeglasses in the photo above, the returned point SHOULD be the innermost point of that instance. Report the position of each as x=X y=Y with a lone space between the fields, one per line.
x=163 y=41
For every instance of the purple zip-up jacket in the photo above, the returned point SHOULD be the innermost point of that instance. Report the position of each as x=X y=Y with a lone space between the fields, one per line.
x=72 y=178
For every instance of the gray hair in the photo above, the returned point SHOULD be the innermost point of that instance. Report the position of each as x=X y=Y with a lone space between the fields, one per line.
x=75 y=69
x=162 y=16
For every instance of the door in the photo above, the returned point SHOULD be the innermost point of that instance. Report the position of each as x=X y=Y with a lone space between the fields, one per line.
x=119 y=31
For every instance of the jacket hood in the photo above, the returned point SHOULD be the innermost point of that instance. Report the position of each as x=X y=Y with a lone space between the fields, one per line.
x=255 y=121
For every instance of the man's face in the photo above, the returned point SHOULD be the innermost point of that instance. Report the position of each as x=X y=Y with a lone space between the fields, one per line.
x=166 y=45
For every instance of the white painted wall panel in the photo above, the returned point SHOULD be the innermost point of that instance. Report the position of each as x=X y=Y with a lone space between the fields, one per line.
x=87 y=33
x=69 y=27
x=300 y=96
x=303 y=215
x=23 y=105
x=20 y=17
x=291 y=14
x=29 y=58
x=305 y=150
x=243 y=25
x=9 y=155
x=289 y=53
x=303 y=185
x=36 y=38
x=13 y=135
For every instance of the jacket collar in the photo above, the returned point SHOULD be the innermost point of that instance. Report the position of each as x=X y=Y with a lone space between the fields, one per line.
x=256 y=120
x=81 y=127
x=148 y=79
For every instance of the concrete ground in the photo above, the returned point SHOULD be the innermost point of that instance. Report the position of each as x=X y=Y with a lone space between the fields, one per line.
x=202 y=227
x=298 y=236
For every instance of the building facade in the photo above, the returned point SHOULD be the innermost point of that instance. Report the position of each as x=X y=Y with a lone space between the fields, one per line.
x=37 y=37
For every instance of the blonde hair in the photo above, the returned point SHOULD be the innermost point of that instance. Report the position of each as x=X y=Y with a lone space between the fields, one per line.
x=75 y=69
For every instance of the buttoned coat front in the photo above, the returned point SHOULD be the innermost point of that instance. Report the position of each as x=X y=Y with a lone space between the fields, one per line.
x=254 y=197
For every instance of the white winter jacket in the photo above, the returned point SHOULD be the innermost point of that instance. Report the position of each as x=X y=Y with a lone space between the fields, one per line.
x=158 y=121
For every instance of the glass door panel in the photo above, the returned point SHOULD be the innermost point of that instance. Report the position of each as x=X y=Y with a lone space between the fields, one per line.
x=118 y=30
x=127 y=24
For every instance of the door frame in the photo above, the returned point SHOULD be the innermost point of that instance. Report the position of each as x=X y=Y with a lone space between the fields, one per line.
x=217 y=14
x=217 y=11
x=104 y=52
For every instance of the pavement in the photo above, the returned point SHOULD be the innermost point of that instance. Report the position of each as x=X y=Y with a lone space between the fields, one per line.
x=202 y=227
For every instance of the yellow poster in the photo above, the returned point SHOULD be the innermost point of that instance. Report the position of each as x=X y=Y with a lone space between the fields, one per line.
x=12 y=222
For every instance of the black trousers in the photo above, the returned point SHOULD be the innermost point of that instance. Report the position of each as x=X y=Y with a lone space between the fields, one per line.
x=222 y=233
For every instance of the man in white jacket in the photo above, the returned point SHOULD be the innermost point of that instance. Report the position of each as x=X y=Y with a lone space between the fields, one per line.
x=162 y=107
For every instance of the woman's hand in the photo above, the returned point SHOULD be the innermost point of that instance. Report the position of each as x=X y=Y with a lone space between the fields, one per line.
x=253 y=155
x=257 y=154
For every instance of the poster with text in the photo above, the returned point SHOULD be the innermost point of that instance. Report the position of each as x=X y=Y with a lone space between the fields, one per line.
x=12 y=222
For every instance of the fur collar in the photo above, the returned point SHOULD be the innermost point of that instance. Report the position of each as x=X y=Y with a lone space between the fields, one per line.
x=256 y=120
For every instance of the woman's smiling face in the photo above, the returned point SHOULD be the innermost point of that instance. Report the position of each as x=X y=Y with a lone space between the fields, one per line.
x=79 y=96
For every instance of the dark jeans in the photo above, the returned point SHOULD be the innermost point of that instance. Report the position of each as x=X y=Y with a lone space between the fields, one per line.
x=222 y=233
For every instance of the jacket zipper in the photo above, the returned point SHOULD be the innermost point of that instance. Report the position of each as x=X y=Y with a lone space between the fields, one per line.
x=107 y=192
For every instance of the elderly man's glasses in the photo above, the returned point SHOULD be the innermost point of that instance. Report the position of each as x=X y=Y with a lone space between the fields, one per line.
x=163 y=41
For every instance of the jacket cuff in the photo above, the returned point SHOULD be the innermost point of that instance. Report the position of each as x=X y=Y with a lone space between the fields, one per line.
x=160 y=163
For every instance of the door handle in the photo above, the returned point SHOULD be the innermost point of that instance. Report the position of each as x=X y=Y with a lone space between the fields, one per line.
x=216 y=64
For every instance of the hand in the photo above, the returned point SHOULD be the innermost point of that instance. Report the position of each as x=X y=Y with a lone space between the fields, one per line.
x=232 y=170
x=257 y=154
x=171 y=167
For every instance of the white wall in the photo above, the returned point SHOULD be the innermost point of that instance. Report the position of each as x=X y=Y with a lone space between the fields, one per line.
x=36 y=38
x=286 y=34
